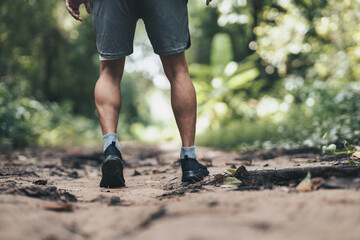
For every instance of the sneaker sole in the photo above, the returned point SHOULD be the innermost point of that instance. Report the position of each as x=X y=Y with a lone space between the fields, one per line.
x=112 y=174
x=194 y=176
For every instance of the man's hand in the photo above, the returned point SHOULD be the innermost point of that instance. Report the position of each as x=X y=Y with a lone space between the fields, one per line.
x=73 y=7
x=208 y=2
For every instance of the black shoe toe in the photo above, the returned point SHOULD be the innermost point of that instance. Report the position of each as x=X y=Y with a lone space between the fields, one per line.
x=192 y=170
x=112 y=169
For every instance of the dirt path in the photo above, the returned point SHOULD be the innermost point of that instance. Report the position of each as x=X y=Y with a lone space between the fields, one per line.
x=155 y=205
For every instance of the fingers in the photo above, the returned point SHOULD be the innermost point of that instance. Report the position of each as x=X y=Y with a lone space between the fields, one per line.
x=77 y=12
x=74 y=8
x=87 y=6
x=73 y=12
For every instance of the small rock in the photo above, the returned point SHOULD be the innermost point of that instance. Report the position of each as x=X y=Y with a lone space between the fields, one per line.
x=40 y=182
x=73 y=174
x=53 y=173
x=115 y=201
x=100 y=198
x=158 y=171
x=136 y=173
x=212 y=203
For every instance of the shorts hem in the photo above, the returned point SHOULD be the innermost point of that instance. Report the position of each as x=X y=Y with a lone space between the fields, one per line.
x=172 y=52
x=104 y=57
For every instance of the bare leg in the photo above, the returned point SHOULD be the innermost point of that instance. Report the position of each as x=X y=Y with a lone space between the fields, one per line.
x=108 y=103
x=108 y=94
x=183 y=96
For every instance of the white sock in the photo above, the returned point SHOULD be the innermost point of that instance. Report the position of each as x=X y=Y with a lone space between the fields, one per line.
x=109 y=138
x=189 y=151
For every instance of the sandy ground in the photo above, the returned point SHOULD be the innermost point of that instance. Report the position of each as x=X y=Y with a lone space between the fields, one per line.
x=155 y=205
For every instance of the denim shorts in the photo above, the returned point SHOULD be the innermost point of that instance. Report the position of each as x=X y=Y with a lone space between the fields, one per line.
x=166 y=23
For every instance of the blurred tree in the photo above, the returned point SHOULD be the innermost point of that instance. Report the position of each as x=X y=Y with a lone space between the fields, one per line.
x=50 y=60
x=35 y=49
x=300 y=56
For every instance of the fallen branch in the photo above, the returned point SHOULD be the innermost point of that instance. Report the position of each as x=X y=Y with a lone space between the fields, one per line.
x=268 y=178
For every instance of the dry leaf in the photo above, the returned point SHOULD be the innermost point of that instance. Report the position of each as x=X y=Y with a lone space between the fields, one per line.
x=305 y=188
x=231 y=170
x=305 y=185
x=356 y=154
x=317 y=182
x=58 y=206
x=219 y=177
x=231 y=182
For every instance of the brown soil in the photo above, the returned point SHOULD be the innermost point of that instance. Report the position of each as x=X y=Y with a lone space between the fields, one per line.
x=54 y=194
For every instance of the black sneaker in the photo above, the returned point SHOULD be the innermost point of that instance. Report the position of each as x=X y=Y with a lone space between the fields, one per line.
x=192 y=170
x=112 y=168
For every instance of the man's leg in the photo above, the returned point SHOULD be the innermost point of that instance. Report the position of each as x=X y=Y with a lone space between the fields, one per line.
x=183 y=96
x=183 y=102
x=108 y=98
x=108 y=94
x=108 y=104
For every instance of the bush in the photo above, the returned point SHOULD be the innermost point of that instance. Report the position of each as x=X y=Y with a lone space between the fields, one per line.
x=330 y=117
x=28 y=122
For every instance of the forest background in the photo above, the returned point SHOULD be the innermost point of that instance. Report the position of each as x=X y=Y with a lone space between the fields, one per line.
x=269 y=74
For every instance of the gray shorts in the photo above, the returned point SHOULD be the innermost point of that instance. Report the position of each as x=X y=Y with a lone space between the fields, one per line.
x=166 y=23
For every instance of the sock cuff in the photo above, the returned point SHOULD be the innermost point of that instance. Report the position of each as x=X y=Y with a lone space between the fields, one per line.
x=110 y=136
x=188 y=148
x=189 y=151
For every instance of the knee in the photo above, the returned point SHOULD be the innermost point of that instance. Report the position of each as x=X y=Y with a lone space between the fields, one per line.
x=178 y=73
x=112 y=70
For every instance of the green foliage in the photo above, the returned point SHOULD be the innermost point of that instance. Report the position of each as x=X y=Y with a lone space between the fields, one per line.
x=50 y=53
x=347 y=148
x=303 y=124
x=299 y=85
x=28 y=122
x=221 y=53
x=48 y=69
